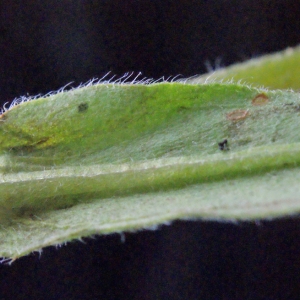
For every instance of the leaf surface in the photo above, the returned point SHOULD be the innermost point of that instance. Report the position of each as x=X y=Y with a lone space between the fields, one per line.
x=109 y=158
x=276 y=71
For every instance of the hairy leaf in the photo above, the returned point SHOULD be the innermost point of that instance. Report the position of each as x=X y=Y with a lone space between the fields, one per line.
x=113 y=157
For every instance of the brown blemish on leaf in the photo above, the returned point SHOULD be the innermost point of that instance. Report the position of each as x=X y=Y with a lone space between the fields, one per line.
x=3 y=117
x=237 y=115
x=260 y=99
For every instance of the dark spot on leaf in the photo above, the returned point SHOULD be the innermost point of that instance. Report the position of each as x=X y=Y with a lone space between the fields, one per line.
x=82 y=107
x=43 y=140
x=180 y=108
x=223 y=145
x=294 y=106
x=29 y=148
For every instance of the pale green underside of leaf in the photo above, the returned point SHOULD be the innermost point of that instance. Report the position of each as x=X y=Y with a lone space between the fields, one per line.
x=110 y=158
x=272 y=195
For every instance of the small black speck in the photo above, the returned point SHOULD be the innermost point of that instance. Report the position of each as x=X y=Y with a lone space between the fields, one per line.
x=82 y=107
x=182 y=108
x=223 y=145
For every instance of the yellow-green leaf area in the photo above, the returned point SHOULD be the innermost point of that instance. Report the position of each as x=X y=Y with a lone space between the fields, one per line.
x=276 y=71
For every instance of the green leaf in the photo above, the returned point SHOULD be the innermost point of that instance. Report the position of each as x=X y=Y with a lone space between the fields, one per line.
x=275 y=71
x=108 y=158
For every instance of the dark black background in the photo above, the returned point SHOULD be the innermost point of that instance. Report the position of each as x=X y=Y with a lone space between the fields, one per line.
x=47 y=44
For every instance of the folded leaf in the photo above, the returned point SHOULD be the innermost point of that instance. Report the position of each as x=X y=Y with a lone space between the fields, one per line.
x=108 y=158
